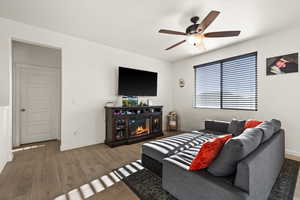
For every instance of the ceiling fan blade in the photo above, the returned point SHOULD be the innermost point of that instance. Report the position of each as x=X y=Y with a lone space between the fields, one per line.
x=171 y=32
x=207 y=21
x=223 y=34
x=175 y=45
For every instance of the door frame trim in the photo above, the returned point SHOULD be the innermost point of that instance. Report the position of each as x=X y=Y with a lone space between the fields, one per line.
x=16 y=133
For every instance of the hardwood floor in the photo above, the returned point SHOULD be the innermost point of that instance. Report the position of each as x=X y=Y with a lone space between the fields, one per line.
x=43 y=172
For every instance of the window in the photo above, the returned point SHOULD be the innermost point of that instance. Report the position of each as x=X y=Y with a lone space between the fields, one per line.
x=208 y=87
x=227 y=84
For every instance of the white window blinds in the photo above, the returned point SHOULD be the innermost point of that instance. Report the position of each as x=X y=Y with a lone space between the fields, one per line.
x=227 y=84
x=208 y=87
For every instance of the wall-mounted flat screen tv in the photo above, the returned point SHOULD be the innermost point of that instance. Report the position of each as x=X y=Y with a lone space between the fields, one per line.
x=134 y=82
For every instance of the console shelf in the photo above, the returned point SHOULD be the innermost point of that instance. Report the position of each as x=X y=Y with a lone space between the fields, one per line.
x=126 y=125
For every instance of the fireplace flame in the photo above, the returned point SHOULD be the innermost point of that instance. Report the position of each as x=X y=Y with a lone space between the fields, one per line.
x=140 y=130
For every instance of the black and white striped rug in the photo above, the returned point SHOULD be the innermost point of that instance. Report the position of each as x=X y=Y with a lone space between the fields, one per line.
x=100 y=184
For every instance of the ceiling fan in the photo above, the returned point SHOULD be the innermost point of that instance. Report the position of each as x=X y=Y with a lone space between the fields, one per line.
x=195 y=33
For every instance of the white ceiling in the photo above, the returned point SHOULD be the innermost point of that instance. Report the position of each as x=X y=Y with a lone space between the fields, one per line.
x=133 y=24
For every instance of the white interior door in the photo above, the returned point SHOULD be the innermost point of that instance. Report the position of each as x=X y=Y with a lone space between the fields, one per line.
x=38 y=103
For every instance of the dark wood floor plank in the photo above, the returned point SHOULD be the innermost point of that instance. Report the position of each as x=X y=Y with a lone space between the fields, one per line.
x=118 y=192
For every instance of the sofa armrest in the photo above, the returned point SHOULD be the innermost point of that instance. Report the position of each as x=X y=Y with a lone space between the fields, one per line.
x=257 y=173
x=214 y=125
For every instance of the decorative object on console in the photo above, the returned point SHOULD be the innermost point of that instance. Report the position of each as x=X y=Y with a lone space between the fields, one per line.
x=282 y=64
x=129 y=101
x=208 y=152
x=142 y=103
x=110 y=104
x=149 y=102
x=125 y=101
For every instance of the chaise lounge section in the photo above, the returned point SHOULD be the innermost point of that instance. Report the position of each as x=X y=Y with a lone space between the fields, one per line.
x=154 y=152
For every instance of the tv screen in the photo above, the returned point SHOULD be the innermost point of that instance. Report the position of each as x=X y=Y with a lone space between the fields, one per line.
x=134 y=82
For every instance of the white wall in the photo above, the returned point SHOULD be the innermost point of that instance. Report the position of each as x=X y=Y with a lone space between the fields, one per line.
x=89 y=79
x=278 y=96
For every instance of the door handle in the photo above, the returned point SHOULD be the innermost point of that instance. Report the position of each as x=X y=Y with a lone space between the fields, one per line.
x=23 y=110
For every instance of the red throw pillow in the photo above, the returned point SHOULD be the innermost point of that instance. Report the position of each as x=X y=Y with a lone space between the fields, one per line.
x=252 y=123
x=208 y=152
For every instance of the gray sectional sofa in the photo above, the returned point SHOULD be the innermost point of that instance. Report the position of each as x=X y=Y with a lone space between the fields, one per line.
x=253 y=176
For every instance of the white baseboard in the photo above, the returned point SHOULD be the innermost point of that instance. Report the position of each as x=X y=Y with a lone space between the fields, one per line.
x=292 y=152
x=70 y=147
x=2 y=165
x=9 y=159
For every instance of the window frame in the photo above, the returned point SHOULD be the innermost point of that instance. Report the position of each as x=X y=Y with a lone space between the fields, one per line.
x=221 y=81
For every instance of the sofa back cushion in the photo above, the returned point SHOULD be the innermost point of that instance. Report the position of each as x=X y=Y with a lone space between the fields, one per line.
x=235 y=150
x=257 y=173
x=268 y=130
x=276 y=124
x=236 y=127
x=217 y=126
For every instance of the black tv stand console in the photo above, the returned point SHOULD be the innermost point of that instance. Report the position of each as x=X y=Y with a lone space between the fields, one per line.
x=125 y=125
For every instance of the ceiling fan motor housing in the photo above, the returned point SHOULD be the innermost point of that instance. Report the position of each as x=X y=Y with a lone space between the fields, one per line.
x=192 y=29
x=194 y=19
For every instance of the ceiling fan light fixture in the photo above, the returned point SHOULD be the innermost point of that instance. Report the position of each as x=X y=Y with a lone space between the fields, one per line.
x=194 y=39
x=195 y=33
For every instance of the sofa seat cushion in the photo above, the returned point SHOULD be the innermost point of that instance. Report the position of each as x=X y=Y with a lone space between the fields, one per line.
x=160 y=149
x=205 y=174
